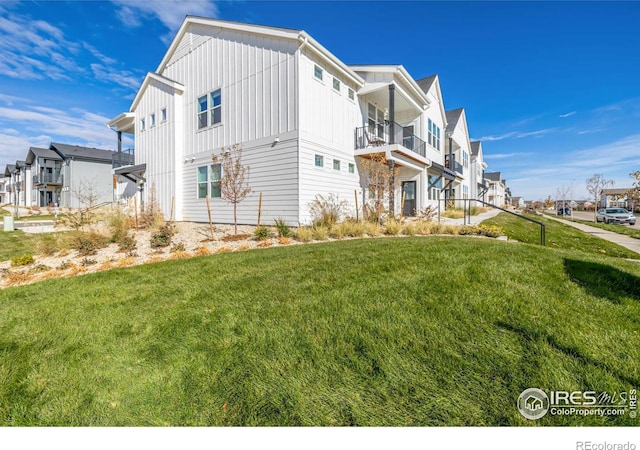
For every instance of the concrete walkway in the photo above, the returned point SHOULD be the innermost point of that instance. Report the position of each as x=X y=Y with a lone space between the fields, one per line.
x=625 y=241
x=475 y=220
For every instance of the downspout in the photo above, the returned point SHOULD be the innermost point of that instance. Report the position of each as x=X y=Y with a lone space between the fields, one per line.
x=304 y=43
x=451 y=167
x=392 y=138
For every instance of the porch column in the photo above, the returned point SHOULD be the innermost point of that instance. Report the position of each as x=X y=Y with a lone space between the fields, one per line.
x=392 y=113
x=119 y=141
x=451 y=167
x=392 y=188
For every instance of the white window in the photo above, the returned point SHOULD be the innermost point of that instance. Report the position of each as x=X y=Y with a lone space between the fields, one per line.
x=433 y=135
x=152 y=121
x=318 y=72
x=163 y=115
x=351 y=168
x=352 y=95
x=210 y=109
x=336 y=164
x=465 y=159
x=336 y=84
x=209 y=181
x=143 y=125
x=319 y=161
x=375 y=121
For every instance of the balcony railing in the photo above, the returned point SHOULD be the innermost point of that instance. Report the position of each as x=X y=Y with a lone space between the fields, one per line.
x=370 y=136
x=125 y=158
x=451 y=163
x=48 y=178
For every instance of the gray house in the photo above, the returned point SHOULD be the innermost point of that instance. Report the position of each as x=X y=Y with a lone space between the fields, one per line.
x=46 y=172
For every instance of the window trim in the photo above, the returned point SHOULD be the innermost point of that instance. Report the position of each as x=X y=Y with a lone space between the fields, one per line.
x=208 y=181
x=351 y=168
x=351 y=94
x=333 y=85
x=163 y=115
x=315 y=76
x=143 y=124
x=152 y=120
x=321 y=159
x=336 y=165
x=209 y=110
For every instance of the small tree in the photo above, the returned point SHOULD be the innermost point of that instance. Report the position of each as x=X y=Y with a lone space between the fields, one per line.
x=595 y=185
x=234 y=185
x=548 y=202
x=633 y=194
x=378 y=178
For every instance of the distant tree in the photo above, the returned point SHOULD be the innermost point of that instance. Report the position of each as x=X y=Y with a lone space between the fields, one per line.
x=378 y=178
x=548 y=202
x=564 y=194
x=633 y=194
x=234 y=181
x=595 y=185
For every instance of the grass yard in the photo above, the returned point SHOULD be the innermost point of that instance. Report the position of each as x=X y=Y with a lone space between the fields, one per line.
x=17 y=243
x=616 y=228
x=394 y=331
x=558 y=235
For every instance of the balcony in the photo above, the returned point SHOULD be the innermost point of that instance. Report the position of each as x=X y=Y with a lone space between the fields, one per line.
x=48 y=178
x=388 y=134
x=451 y=163
x=120 y=159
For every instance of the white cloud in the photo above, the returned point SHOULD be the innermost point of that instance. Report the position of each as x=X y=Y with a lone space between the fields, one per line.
x=122 y=77
x=170 y=13
x=516 y=135
x=504 y=155
x=569 y=114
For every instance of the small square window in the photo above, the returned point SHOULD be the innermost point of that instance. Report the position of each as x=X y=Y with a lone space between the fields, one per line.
x=336 y=84
x=163 y=115
x=351 y=94
x=153 y=120
x=336 y=164
x=352 y=168
x=317 y=72
x=143 y=125
x=319 y=161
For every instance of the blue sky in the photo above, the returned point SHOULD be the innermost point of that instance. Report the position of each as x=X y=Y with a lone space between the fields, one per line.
x=552 y=89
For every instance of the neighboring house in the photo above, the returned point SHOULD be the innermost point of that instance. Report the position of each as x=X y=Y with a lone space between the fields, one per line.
x=10 y=183
x=496 y=192
x=5 y=189
x=457 y=155
x=477 y=183
x=518 y=202
x=47 y=179
x=615 y=198
x=507 y=193
x=305 y=121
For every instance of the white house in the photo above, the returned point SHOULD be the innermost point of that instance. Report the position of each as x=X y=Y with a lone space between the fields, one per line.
x=304 y=119
x=496 y=194
x=478 y=184
x=457 y=156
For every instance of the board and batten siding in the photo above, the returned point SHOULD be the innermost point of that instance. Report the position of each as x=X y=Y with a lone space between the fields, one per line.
x=90 y=175
x=160 y=146
x=272 y=171
x=256 y=75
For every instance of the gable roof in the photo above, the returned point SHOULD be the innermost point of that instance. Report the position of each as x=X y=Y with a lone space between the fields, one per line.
x=453 y=116
x=75 y=151
x=9 y=169
x=160 y=79
x=428 y=83
x=35 y=152
x=475 y=147
x=493 y=176
x=300 y=36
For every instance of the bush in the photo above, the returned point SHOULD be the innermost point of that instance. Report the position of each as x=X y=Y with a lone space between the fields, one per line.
x=118 y=224
x=178 y=247
x=87 y=262
x=328 y=210
x=429 y=213
x=162 y=237
x=127 y=243
x=304 y=234
x=262 y=233
x=392 y=227
x=468 y=230
x=453 y=213
x=372 y=229
x=88 y=243
x=490 y=231
x=23 y=260
x=353 y=228
x=320 y=232
x=284 y=230
x=410 y=229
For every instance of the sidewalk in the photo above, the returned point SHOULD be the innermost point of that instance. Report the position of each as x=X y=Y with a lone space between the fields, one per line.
x=475 y=220
x=628 y=242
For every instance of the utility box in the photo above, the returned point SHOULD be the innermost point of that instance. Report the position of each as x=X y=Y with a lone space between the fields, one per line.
x=8 y=223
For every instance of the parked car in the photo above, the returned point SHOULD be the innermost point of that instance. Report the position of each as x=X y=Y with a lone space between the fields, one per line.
x=564 y=211
x=615 y=215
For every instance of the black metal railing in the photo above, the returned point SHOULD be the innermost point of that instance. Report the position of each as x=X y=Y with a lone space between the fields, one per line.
x=125 y=158
x=391 y=133
x=48 y=178
x=451 y=163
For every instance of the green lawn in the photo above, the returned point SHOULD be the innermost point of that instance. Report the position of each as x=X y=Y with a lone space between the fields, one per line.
x=394 y=331
x=17 y=243
x=558 y=235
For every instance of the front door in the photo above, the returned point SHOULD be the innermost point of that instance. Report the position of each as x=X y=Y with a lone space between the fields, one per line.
x=409 y=194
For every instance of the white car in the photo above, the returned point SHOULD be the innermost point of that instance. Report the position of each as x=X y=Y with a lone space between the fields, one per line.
x=615 y=215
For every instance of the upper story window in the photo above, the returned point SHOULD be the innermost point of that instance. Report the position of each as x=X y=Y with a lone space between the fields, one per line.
x=152 y=120
x=319 y=161
x=318 y=72
x=210 y=109
x=143 y=125
x=209 y=181
x=433 y=135
x=352 y=95
x=465 y=159
x=163 y=115
x=375 y=121
x=336 y=164
x=336 y=84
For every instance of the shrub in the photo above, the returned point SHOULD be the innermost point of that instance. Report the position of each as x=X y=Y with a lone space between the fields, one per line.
x=118 y=224
x=127 y=243
x=490 y=231
x=263 y=244
x=88 y=244
x=453 y=213
x=428 y=213
x=180 y=254
x=23 y=260
x=372 y=229
x=449 y=229
x=87 y=262
x=202 y=251
x=46 y=247
x=223 y=249
x=284 y=240
x=337 y=231
x=437 y=228
x=410 y=229
x=39 y=268
x=328 y=210
x=304 y=234
x=235 y=237
x=284 y=230
x=162 y=237
x=178 y=247
x=353 y=228
x=151 y=216
x=244 y=247
x=392 y=227
x=468 y=230
x=262 y=233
